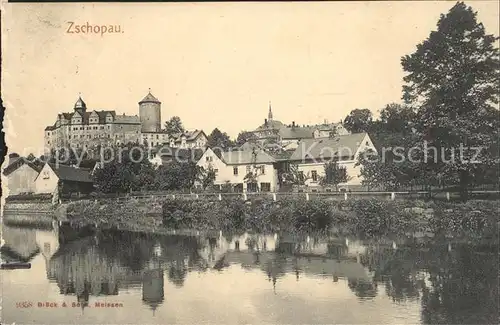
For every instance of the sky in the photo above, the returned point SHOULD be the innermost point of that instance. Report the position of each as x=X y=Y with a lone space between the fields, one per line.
x=212 y=64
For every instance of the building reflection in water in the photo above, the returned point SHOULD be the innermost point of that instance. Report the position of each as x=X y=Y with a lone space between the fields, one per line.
x=153 y=288
x=446 y=281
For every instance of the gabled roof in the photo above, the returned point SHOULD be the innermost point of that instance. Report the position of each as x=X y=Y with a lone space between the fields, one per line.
x=326 y=148
x=68 y=173
x=190 y=135
x=17 y=163
x=247 y=157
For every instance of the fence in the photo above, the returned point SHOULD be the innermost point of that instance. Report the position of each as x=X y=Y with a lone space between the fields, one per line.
x=122 y=197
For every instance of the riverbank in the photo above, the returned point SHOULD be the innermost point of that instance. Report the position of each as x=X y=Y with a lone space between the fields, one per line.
x=363 y=217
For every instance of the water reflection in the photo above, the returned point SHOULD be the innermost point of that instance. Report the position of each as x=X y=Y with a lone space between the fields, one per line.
x=451 y=284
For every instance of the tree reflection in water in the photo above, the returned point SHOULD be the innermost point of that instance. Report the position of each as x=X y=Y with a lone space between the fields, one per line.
x=457 y=286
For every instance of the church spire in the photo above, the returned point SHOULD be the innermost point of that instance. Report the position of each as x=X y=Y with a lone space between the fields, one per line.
x=270 y=114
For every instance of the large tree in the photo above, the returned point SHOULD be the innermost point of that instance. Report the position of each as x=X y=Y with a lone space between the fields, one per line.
x=174 y=126
x=245 y=136
x=220 y=140
x=452 y=79
x=358 y=120
x=334 y=174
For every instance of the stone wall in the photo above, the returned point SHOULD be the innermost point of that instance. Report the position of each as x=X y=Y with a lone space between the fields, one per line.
x=28 y=213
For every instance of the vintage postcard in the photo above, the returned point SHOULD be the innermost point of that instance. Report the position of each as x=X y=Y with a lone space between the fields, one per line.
x=250 y=163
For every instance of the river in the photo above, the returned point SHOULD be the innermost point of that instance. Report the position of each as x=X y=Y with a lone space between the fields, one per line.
x=131 y=278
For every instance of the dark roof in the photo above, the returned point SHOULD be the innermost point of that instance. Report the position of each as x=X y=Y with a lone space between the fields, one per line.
x=67 y=116
x=190 y=135
x=18 y=163
x=68 y=173
x=80 y=103
x=149 y=99
x=296 y=132
x=273 y=124
x=328 y=148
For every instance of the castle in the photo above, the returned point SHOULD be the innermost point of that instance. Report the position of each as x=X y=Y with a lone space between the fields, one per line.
x=85 y=128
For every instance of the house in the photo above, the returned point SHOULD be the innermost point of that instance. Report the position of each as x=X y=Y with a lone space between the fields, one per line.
x=312 y=154
x=188 y=139
x=21 y=174
x=288 y=136
x=250 y=171
x=72 y=179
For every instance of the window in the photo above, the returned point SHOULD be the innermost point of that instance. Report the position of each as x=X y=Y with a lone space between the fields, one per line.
x=249 y=169
x=157 y=137
x=69 y=136
x=252 y=187
x=265 y=187
x=81 y=128
x=209 y=158
x=235 y=171
x=314 y=175
x=216 y=171
x=263 y=170
x=102 y=127
x=46 y=174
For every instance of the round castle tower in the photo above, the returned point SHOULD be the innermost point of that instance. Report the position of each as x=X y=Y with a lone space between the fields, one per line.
x=150 y=114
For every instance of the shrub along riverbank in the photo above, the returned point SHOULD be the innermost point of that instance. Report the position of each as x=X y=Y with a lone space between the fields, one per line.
x=367 y=218
x=363 y=217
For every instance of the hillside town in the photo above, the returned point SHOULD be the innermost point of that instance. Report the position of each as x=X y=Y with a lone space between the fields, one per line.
x=255 y=162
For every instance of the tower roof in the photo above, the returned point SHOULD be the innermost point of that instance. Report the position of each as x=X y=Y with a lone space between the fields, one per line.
x=149 y=99
x=80 y=103
x=270 y=114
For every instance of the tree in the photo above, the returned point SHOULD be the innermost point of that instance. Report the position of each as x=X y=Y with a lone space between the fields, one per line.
x=452 y=79
x=174 y=126
x=245 y=136
x=129 y=170
x=334 y=174
x=207 y=177
x=396 y=118
x=220 y=140
x=177 y=176
x=358 y=120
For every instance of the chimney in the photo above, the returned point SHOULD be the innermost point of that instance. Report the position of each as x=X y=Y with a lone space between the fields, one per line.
x=293 y=124
x=265 y=121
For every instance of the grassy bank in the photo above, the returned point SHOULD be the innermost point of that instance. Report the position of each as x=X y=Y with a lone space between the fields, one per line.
x=367 y=218
x=363 y=217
